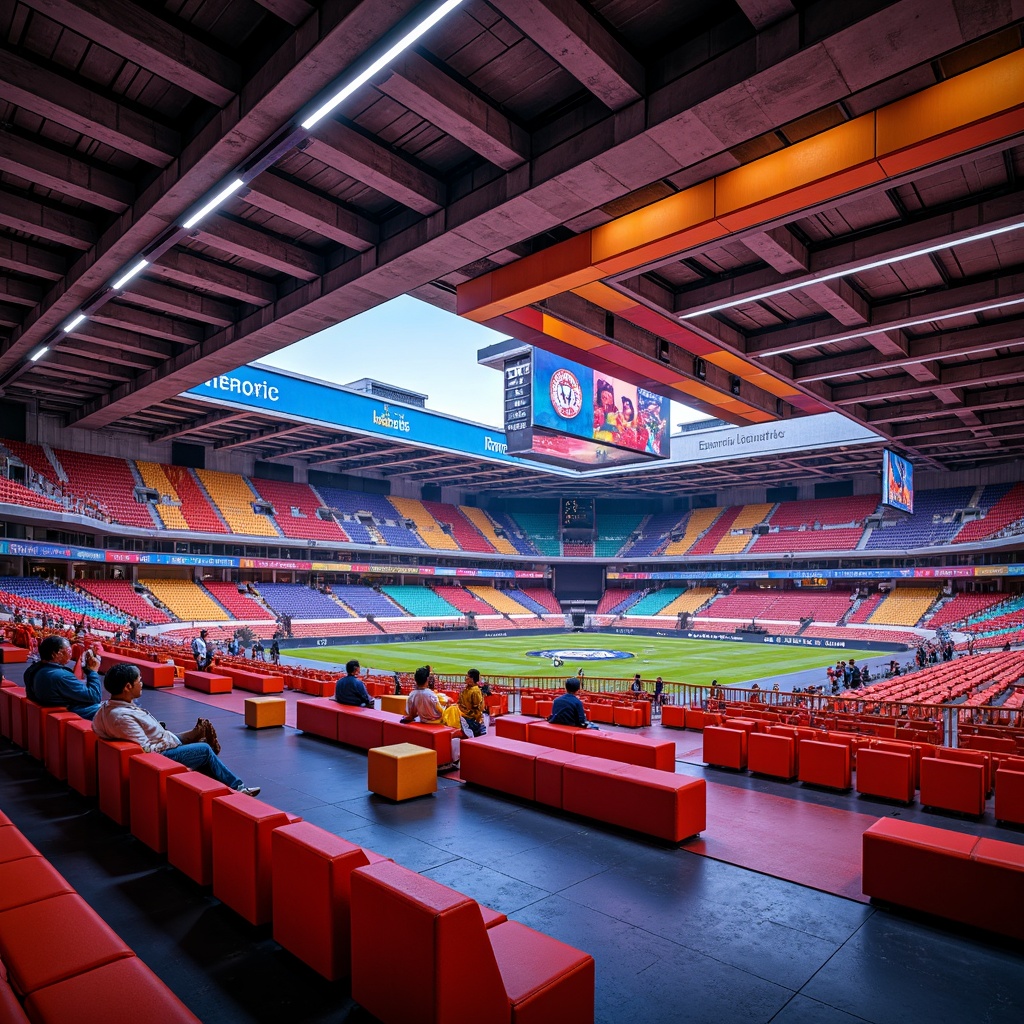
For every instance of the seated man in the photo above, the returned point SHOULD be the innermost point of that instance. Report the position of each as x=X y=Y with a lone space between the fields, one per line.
x=472 y=705
x=350 y=689
x=568 y=708
x=422 y=705
x=53 y=684
x=120 y=718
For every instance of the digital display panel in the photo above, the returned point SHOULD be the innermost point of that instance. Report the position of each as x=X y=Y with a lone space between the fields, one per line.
x=578 y=513
x=897 y=482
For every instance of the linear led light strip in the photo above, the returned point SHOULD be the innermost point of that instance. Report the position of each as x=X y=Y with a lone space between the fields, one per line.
x=889 y=327
x=229 y=189
x=849 y=272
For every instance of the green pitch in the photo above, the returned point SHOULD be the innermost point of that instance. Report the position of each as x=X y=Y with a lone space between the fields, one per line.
x=678 y=661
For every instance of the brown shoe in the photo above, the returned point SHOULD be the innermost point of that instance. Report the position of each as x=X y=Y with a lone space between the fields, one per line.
x=211 y=738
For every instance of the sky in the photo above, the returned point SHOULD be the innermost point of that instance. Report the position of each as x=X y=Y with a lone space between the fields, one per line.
x=414 y=345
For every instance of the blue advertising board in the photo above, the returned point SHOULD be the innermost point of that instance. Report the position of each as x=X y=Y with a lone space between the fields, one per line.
x=897 y=481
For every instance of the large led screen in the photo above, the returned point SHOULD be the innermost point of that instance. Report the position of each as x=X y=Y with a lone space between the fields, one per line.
x=576 y=400
x=897 y=482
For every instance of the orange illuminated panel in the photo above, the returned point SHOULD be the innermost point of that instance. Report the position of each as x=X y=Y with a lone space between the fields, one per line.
x=571 y=335
x=602 y=295
x=766 y=382
x=822 y=167
x=734 y=364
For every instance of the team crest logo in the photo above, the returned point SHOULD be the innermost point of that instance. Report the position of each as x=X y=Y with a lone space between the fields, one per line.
x=583 y=654
x=566 y=394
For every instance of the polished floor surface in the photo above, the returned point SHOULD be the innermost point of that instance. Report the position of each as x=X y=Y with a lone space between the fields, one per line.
x=677 y=936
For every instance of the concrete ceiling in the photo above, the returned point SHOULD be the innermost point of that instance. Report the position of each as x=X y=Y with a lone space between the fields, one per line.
x=513 y=126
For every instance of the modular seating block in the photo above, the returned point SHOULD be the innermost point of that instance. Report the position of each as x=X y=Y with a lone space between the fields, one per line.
x=696 y=718
x=628 y=715
x=673 y=716
x=725 y=748
x=979 y=757
x=14 y=846
x=12 y=655
x=17 y=703
x=545 y=707
x=112 y=757
x=561 y=737
x=1010 y=796
x=513 y=727
x=80 y=749
x=207 y=682
x=748 y=725
x=528 y=704
x=5 y=710
x=29 y=880
x=772 y=755
x=190 y=799
x=401 y=771
x=312 y=870
x=886 y=774
x=264 y=712
x=519 y=975
x=154 y=675
x=56 y=742
x=438 y=737
x=548 y=772
x=669 y=806
x=628 y=749
x=999 y=877
x=319 y=717
x=601 y=712
x=241 y=854
x=139 y=995
x=825 y=764
x=394 y=702
x=500 y=763
x=363 y=727
x=953 y=785
x=35 y=727
x=44 y=943
x=147 y=796
x=254 y=682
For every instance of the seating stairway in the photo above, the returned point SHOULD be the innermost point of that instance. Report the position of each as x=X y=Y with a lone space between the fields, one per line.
x=295 y=511
x=34 y=456
x=234 y=499
x=239 y=604
x=186 y=600
x=719 y=528
x=689 y=601
x=427 y=526
x=499 y=600
x=463 y=532
x=195 y=507
x=463 y=600
x=654 y=602
x=866 y=609
x=746 y=518
x=1002 y=511
x=170 y=514
x=541 y=597
x=514 y=533
x=480 y=519
x=654 y=531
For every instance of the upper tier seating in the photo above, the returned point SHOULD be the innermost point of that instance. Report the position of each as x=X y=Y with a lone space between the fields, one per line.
x=109 y=483
x=653 y=532
x=421 y=602
x=821 y=605
x=365 y=600
x=654 y=602
x=963 y=606
x=741 y=604
x=542 y=529
x=300 y=602
x=388 y=525
x=578 y=549
x=463 y=532
x=499 y=600
x=866 y=610
x=427 y=526
x=689 y=601
x=747 y=517
x=241 y=605
x=462 y=600
x=186 y=600
x=1003 y=509
x=514 y=533
x=195 y=507
x=483 y=522
x=234 y=500
x=707 y=544
x=295 y=508
x=34 y=457
x=905 y=605
x=613 y=531
x=168 y=510
x=60 y=600
x=823 y=511
x=15 y=494
x=121 y=594
x=834 y=539
x=932 y=522
x=699 y=520
x=536 y=599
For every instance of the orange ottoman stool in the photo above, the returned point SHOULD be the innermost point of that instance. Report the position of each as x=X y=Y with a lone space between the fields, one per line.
x=112 y=757
x=401 y=771
x=241 y=854
x=55 y=726
x=80 y=750
x=264 y=712
x=190 y=799
x=311 y=895
x=147 y=797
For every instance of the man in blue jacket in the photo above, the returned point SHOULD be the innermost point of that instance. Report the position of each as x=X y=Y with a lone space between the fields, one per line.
x=350 y=689
x=568 y=708
x=51 y=683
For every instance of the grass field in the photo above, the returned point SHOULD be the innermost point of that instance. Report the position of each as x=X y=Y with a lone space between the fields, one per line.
x=677 y=661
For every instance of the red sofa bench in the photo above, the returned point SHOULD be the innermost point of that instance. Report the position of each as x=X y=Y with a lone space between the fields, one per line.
x=154 y=675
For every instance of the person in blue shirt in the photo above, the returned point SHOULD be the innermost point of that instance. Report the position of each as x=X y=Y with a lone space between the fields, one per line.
x=350 y=689
x=52 y=684
x=568 y=708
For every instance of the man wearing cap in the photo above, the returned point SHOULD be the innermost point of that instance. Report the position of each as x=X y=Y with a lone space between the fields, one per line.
x=568 y=708
x=350 y=689
x=201 y=652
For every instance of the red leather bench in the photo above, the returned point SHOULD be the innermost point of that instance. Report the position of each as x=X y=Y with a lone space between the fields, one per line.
x=548 y=769
x=978 y=882
x=629 y=749
x=561 y=737
x=80 y=751
x=35 y=727
x=979 y=757
x=112 y=757
x=17 y=700
x=519 y=974
x=953 y=785
x=725 y=747
x=12 y=655
x=253 y=681
x=147 y=797
x=1010 y=796
x=437 y=737
x=55 y=726
x=190 y=799
x=528 y=704
x=886 y=774
x=825 y=764
x=154 y=675
x=207 y=682
x=364 y=727
x=503 y=764
x=29 y=880
x=673 y=716
x=771 y=755
x=629 y=715
x=319 y=717
x=513 y=727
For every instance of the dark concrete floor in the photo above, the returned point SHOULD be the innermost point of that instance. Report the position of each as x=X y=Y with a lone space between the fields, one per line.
x=676 y=937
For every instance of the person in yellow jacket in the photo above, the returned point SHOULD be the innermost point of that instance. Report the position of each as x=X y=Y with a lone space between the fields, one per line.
x=472 y=704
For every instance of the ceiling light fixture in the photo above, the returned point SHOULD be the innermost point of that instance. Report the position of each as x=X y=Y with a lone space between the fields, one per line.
x=39 y=353
x=228 y=190
x=72 y=324
x=129 y=274
x=382 y=61
x=849 y=272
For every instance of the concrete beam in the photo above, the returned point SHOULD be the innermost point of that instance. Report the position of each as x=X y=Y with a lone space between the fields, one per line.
x=181 y=267
x=259 y=435
x=21 y=213
x=294 y=12
x=188 y=305
x=21 y=293
x=198 y=424
x=25 y=259
x=762 y=13
x=236 y=239
x=140 y=321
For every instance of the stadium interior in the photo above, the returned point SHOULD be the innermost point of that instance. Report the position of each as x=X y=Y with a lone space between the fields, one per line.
x=801 y=219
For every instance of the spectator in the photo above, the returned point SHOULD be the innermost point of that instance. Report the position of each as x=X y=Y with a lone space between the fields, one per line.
x=51 y=683
x=659 y=691
x=202 y=652
x=422 y=705
x=275 y=652
x=637 y=687
x=350 y=689
x=120 y=718
x=472 y=705
x=568 y=708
